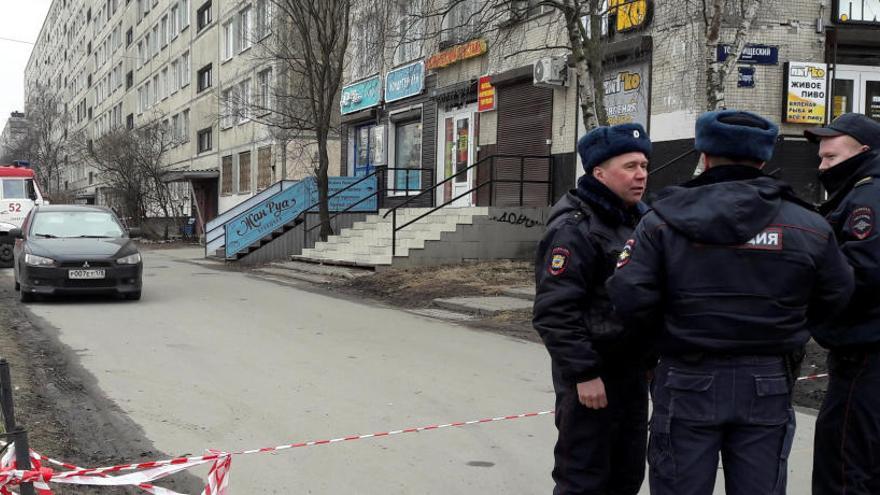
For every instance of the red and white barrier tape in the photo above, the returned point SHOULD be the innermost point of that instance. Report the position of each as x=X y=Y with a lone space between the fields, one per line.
x=144 y=473
x=218 y=477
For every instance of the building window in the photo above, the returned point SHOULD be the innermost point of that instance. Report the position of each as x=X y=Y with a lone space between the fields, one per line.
x=129 y=121
x=174 y=22
x=155 y=89
x=185 y=125
x=129 y=37
x=264 y=79
x=204 y=78
x=166 y=86
x=226 y=175
x=229 y=109
x=407 y=154
x=184 y=70
x=409 y=33
x=264 y=167
x=203 y=16
x=163 y=32
x=228 y=40
x=204 y=140
x=141 y=58
x=459 y=23
x=245 y=39
x=244 y=172
x=184 y=14
x=262 y=12
x=244 y=94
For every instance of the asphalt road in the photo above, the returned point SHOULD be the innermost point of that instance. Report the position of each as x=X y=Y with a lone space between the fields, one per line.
x=213 y=359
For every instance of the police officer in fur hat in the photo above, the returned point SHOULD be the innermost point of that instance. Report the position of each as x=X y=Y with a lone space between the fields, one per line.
x=847 y=444
x=730 y=271
x=598 y=371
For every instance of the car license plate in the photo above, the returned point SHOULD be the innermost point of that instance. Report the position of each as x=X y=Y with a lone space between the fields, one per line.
x=85 y=274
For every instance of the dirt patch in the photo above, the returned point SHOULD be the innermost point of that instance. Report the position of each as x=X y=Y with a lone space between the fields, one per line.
x=418 y=287
x=58 y=402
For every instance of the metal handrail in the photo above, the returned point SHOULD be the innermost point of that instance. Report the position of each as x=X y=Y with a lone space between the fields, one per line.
x=672 y=162
x=378 y=190
x=305 y=213
x=492 y=180
x=444 y=181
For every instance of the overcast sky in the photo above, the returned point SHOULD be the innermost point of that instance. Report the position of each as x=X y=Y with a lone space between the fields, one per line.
x=19 y=20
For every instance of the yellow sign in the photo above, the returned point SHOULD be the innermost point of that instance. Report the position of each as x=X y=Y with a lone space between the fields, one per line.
x=806 y=93
x=457 y=53
x=631 y=14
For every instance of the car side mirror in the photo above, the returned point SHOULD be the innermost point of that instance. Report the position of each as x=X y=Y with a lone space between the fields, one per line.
x=16 y=234
x=134 y=233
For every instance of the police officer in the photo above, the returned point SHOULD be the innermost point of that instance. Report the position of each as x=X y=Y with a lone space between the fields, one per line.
x=730 y=270
x=847 y=443
x=598 y=374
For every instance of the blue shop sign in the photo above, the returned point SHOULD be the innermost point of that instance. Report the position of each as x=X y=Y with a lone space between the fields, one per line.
x=746 y=77
x=267 y=216
x=361 y=95
x=405 y=82
x=363 y=194
x=751 y=54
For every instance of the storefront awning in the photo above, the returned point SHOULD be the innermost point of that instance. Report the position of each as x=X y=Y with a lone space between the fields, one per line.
x=188 y=175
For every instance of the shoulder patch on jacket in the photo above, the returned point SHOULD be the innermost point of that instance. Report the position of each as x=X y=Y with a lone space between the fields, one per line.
x=626 y=254
x=558 y=261
x=861 y=222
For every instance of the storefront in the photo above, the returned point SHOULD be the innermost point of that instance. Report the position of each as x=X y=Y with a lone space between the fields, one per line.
x=853 y=52
x=366 y=138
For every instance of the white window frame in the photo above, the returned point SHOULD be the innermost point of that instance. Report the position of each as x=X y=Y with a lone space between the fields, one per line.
x=245 y=28
x=229 y=39
x=244 y=96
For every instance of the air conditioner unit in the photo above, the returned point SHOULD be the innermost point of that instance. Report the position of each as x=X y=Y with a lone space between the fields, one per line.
x=550 y=72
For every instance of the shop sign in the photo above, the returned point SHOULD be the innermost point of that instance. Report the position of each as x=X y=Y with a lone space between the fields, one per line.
x=857 y=11
x=806 y=92
x=485 y=95
x=629 y=14
x=626 y=94
x=361 y=95
x=456 y=54
x=405 y=82
x=751 y=54
x=280 y=209
x=746 y=77
x=360 y=191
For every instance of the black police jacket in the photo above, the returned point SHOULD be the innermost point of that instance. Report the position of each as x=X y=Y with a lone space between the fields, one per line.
x=731 y=263
x=586 y=231
x=852 y=208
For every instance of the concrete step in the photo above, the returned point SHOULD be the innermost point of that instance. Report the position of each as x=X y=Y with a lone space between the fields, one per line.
x=527 y=293
x=324 y=271
x=293 y=275
x=484 y=306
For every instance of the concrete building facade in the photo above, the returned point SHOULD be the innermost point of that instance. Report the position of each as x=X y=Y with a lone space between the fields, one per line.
x=805 y=62
x=125 y=63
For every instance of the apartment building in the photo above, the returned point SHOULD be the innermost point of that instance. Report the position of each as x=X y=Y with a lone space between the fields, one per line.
x=190 y=64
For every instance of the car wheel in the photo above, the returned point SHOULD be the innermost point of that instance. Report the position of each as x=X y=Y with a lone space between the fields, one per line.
x=6 y=256
x=25 y=296
x=133 y=296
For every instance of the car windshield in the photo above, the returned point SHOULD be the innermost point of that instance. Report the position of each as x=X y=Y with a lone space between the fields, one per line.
x=51 y=224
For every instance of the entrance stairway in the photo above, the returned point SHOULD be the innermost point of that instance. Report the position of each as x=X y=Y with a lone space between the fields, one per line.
x=368 y=243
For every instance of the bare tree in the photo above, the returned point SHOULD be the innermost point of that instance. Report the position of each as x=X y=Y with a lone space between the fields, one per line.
x=298 y=99
x=743 y=13
x=130 y=164
x=44 y=142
